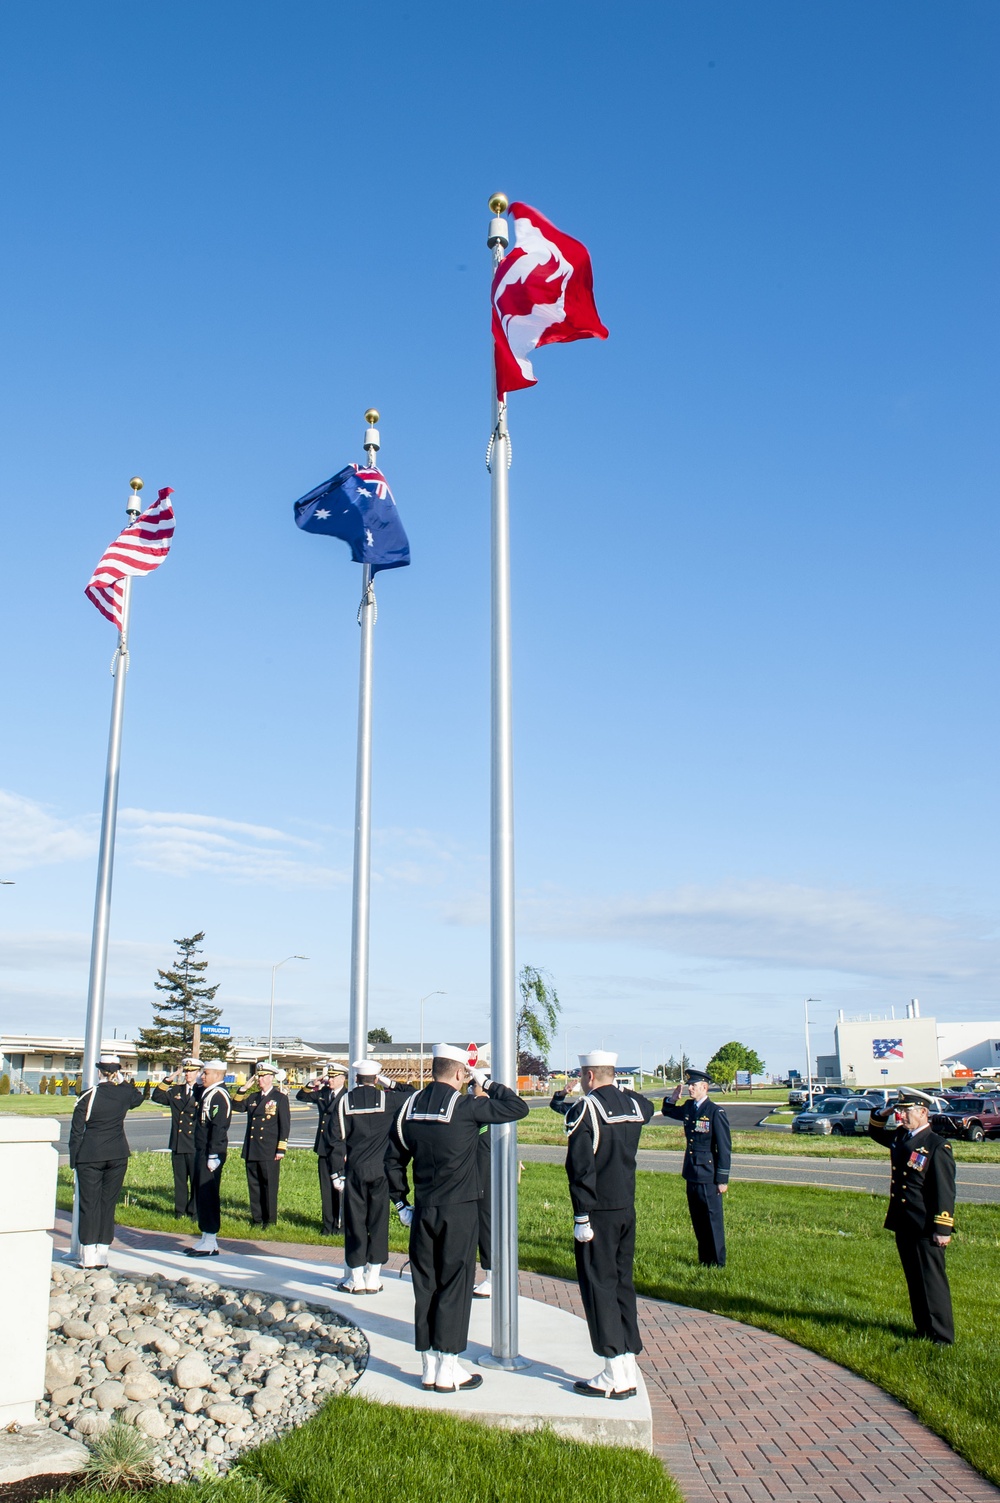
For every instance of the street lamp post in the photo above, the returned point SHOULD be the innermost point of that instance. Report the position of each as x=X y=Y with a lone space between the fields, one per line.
x=809 y=1078
x=270 y=1026
x=422 y=1001
x=642 y=1069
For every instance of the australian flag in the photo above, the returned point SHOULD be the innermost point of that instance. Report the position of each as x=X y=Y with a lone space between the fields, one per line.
x=883 y=1048
x=357 y=505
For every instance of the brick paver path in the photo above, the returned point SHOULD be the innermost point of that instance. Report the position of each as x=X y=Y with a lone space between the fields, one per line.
x=767 y=1421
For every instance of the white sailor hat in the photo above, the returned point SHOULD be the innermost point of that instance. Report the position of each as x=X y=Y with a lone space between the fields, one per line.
x=451 y=1051
x=108 y=1061
x=911 y=1096
x=215 y=1064
x=191 y=1064
x=334 y=1067
x=366 y=1067
x=266 y=1067
x=596 y=1058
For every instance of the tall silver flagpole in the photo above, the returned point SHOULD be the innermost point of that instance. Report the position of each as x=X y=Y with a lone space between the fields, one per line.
x=503 y=1061
x=361 y=908
x=106 y=853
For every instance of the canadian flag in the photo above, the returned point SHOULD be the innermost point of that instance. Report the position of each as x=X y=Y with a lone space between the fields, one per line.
x=543 y=293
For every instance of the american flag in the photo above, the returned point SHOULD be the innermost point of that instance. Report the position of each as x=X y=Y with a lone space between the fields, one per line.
x=140 y=549
x=882 y=1048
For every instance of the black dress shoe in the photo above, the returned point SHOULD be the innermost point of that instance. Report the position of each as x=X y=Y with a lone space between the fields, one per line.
x=474 y=1380
x=591 y=1392
x=201 y=1252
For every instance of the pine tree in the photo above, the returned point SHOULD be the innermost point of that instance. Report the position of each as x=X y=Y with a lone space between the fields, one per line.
x=186 y=1001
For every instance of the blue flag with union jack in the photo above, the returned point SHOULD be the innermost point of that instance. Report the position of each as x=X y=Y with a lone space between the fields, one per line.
x=357 y=505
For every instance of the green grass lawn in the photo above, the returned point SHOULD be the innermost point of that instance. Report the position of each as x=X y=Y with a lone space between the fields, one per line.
x=813 y=1265
x=661 y=1134
x=58 y=1106
x=354 y=1451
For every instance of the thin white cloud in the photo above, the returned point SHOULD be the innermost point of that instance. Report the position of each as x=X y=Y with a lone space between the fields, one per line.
x=31 y=835
x=183 y=845
x=784 y=925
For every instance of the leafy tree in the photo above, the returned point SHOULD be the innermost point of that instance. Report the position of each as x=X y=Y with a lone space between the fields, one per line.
x=538 y=1015
x=187 y=1000
x=379 y=1036
x=4 y=1084
x=725 y=1062
x=531 y=1064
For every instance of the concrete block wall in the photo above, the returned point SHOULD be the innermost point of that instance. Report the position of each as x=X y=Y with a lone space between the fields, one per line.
x=29 y=1161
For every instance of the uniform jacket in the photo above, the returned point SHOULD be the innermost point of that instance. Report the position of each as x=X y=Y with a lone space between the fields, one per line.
x=709 y=1145
x=269 y=1121
x=603 y=1129
x=215 y=1112
x=323 y=1099
x=922 y=1192
x=183 y=1103
x=357 y=1130
x=437 y=1132
x=97 y=1132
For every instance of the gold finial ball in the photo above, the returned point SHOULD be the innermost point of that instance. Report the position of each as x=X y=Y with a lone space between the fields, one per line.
x=135 y=483
x=498 y=203
x=372 y=416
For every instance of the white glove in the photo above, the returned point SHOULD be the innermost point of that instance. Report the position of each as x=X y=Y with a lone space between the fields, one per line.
x=405 y=1214
x=480 y=1077
x=582 y=1229
x=213 y=1162
x=337 y=1182
x=385 y=1081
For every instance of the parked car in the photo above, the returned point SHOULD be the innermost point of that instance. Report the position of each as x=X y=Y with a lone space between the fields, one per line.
x=837 y=1115
x=970 y=1117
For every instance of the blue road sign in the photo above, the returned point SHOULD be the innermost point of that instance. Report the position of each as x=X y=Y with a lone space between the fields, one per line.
x=219 y=1029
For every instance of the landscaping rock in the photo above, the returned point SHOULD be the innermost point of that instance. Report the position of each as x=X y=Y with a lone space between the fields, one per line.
x=187 y=1363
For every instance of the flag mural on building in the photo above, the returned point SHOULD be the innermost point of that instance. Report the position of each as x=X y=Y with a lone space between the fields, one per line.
x=139 y=549
x=357 y=505
x=883 y=1048
x=543 y=293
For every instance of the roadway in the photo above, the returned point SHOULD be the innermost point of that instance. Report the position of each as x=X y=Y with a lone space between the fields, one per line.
x=976 y=1182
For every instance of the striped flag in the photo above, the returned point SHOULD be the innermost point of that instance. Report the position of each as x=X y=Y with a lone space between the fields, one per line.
x=140 y=549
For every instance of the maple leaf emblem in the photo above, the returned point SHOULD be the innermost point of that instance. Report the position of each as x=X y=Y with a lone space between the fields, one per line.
x=544 y=284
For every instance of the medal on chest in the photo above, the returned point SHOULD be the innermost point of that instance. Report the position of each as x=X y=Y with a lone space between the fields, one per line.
x=917 y=1159
x=702 y=1125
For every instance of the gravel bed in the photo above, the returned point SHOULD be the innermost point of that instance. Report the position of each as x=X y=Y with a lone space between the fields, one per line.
x=206 y=1372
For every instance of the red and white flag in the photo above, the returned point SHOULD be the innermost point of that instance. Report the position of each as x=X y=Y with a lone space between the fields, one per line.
x=543 y=293
x=140 y=549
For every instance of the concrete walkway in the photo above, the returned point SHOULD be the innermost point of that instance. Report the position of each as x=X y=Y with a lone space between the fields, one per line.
x=766 y=1420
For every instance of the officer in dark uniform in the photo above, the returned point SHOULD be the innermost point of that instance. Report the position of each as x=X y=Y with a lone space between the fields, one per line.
x=99 y=1153
x=211 y=1144
x=921 y=1209
x=265 y=1143
x=437 y=1132
x=323 y=1093
x=182 y=1093
x=603 y=1131
x=707 y=1159
x=358 y=1131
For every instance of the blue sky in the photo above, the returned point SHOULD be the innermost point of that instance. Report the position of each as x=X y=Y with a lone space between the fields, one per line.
x=754 y=532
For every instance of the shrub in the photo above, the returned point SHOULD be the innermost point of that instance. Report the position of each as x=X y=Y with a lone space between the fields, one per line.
x=43 y=1085
x=64 y=1086
x=121 y=1460
x=4 y=1084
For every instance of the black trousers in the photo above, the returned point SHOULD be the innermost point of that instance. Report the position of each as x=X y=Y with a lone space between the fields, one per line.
x=207 y=1182
x=604 y=1269
x=329 y=1198
x=927 y=1282
x=184 y=1183
x=366 y=1220
x=705 y=1206
x=443 y=1269
x=486 y=1218
x=262 y=1185
x=99 y=1186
